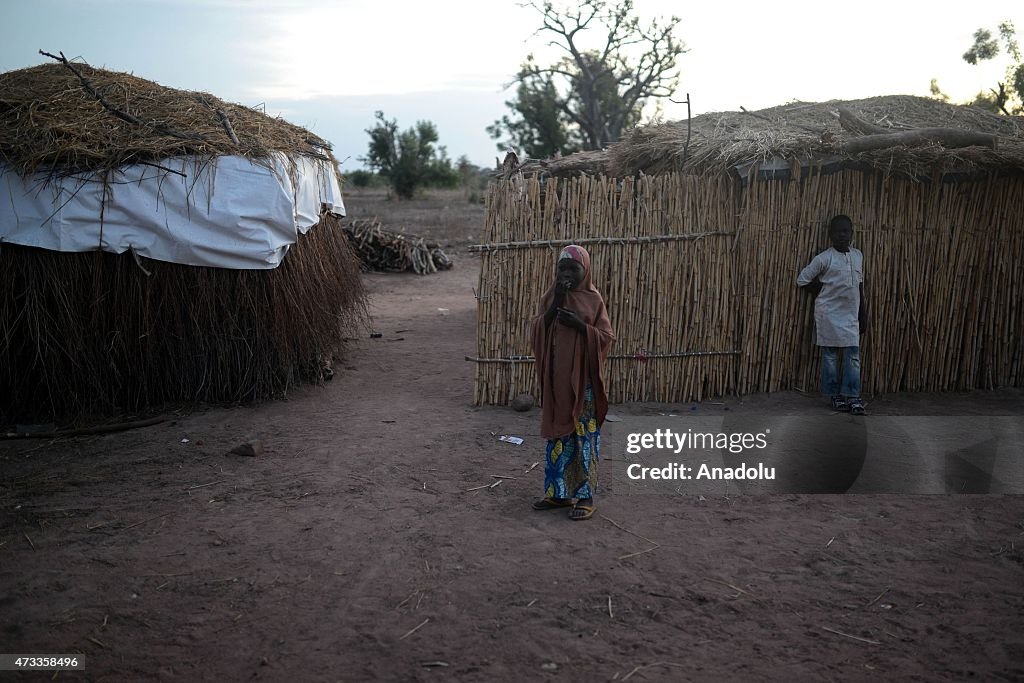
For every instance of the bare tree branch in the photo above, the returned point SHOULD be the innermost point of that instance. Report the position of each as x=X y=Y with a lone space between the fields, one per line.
x=123 y=115
x=601 y=91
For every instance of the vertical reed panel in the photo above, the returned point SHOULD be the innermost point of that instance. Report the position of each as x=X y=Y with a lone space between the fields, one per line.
x=943 y=271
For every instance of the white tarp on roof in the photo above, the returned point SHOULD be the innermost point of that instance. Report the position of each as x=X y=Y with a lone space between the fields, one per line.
x=228 y=213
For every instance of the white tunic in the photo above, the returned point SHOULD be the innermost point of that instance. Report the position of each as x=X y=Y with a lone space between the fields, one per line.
x=838 y=303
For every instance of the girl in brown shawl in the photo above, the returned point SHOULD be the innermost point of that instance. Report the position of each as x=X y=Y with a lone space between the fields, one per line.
x=571 y=339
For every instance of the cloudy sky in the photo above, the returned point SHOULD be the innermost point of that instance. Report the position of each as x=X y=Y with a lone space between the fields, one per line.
x=329 y=64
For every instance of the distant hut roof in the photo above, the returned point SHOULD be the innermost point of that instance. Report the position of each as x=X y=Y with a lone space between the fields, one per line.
x=72 y=117
x=812 y=132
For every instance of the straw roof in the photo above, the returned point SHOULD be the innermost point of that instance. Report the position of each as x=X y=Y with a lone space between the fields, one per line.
x=810 y=132
x=70 y=117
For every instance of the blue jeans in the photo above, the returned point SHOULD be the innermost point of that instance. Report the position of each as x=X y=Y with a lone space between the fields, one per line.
x=830 y=382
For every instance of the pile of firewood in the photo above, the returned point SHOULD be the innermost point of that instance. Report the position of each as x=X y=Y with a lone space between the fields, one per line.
x=394 y=252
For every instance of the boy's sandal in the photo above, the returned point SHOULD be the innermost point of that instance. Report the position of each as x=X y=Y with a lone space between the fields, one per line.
x=856 y=406
x=550 y=503
x=839 y=404
x=588 y=512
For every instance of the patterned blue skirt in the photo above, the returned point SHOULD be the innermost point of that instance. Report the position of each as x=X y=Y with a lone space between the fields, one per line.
x=570 y=468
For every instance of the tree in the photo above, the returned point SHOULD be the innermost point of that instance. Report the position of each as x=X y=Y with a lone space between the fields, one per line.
x=1008 y=95
x=474 y=180
x=937 y=91
x=408 y=160
x=363 y=178
x=590 y=96
x=538 y=126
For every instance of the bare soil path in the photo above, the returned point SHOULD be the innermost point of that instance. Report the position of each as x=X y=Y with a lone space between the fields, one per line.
x=352 y=549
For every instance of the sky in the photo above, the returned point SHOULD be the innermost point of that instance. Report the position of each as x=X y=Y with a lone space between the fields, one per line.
x=329 y=65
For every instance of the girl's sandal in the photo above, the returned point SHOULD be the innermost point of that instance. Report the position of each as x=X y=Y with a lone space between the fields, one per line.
x=550 y=503
x=587 y=510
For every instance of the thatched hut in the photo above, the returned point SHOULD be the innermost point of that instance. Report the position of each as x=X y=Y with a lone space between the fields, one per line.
x=160 y=245
x=698 y=228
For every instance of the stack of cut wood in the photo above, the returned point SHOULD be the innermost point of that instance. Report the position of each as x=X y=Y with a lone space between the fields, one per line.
x=394 y=252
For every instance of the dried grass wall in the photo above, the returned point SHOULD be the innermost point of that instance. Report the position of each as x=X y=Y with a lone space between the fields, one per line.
x=92 y=334
x=699 y=276
x=661 y=251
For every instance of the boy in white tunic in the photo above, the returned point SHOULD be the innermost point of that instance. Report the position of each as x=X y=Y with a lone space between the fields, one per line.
x=836 y=276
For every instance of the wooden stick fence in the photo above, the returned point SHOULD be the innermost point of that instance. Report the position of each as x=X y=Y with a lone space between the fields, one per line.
x=635 y=356
x=700 y=279
x=643 y=239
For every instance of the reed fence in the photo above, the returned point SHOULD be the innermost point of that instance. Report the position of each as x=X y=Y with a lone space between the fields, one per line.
x=699 y=275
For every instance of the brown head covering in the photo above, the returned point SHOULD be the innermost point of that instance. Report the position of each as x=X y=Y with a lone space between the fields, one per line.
x=568 y=360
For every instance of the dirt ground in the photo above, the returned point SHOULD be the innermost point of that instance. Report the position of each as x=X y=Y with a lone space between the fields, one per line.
x=353 y=549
